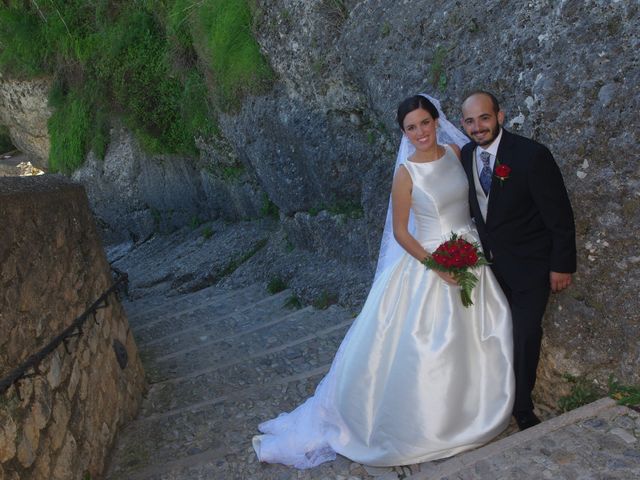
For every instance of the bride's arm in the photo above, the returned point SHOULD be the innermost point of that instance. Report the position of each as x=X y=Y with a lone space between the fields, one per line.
x=401 y=201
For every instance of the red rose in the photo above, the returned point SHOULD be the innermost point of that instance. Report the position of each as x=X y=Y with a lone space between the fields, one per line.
x=503 y=171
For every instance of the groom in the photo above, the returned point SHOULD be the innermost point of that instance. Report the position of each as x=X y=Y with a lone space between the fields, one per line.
x=524 y=218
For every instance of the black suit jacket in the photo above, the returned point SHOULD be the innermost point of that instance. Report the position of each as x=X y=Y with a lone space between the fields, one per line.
x=529 y=230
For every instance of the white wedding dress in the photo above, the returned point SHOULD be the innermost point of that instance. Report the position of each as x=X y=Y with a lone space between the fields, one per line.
x=418 y=376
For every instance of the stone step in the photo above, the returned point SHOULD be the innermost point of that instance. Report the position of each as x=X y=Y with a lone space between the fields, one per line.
x=197 y=316
x=210 y=323
x=214 y=437
x=600 y=440
x=146 y=310
x=262 y=367
x=213 y=440
x=208 y=345
x=149 y=304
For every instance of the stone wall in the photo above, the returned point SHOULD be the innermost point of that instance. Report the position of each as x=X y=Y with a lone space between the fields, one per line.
x=60 y=423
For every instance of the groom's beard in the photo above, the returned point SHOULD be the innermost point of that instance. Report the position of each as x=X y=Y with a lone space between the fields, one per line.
x=489 y=140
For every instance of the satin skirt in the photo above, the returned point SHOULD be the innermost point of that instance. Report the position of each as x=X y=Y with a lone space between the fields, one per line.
x=417 y=377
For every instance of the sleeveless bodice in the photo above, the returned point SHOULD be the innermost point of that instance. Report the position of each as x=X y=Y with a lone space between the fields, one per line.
x=439 y=199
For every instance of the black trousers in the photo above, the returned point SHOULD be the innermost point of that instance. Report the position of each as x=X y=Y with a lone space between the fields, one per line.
x=527 y=310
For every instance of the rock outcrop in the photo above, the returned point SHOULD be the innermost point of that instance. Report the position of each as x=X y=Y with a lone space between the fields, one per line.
x=24 y=109
x=135 y=194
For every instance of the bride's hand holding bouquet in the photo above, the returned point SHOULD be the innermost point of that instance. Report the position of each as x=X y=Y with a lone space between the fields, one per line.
x=453 y=259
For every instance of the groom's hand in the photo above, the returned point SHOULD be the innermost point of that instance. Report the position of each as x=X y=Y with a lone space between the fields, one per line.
x=559 y=281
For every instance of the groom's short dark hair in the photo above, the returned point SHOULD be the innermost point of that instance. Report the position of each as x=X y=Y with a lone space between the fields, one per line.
x=492 y=97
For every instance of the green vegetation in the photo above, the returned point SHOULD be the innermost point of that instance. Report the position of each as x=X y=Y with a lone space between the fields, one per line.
x=157 y=217
x=325 y=300
x=222 y=35
x=156 y=65
x=348 y=208
x=268 y=208
x=288 y=245
x=70 y=127
x=386 y=29
x=319 y=66
x=276 y=285
x=583 y=391
x=195 y=222
x=232 y=173
x=207 y=232
x=293 y=303
x=624 y=394
x=372 y=135
x=227 y=173
x=438 y=76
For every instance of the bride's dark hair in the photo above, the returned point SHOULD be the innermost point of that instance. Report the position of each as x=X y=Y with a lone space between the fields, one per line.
x=410 y=104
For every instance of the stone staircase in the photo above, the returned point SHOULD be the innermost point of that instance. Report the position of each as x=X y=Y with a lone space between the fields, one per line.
x=219 y=362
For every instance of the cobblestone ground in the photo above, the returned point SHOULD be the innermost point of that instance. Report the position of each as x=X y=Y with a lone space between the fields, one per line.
x=219 y=362
x=600 y=441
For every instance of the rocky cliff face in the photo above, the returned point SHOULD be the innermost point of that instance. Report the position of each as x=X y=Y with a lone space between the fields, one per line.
x=566 y=74
x=24 y=109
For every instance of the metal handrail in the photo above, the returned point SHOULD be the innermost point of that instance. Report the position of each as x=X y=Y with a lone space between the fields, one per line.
x=73 y=330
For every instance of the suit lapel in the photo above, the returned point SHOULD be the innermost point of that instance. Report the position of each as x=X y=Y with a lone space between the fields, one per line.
x=503 y=156
x=468 y=163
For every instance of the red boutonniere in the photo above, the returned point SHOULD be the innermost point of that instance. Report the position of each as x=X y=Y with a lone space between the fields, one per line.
x=502 y=171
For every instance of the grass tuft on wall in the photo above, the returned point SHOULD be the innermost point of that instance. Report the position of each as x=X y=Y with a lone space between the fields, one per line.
x=69 y=127
x=222 y=33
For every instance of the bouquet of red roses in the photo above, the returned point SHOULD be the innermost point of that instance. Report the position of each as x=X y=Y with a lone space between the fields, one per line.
x=456 y=256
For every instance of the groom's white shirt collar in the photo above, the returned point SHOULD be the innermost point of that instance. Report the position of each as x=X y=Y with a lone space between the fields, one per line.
x=492 y=149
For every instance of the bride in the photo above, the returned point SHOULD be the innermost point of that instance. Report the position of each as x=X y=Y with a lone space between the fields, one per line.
x=418 y=376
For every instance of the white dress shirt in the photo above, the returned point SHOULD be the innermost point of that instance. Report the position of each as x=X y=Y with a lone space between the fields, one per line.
x=493 y=151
